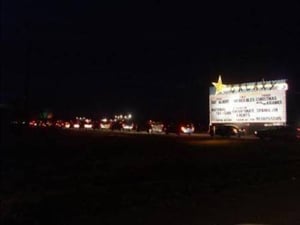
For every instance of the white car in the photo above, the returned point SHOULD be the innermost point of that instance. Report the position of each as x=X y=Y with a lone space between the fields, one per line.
x=127 y=126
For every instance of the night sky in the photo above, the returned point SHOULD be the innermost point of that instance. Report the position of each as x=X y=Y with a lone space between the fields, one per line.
x=156 y=58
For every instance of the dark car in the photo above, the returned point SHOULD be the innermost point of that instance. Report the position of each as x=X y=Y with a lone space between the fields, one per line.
x=123 y=125
x=180 y=128
x=116 y=125
x=152 y=126
x=226 y=131
x=279 y=133
x=143 y=126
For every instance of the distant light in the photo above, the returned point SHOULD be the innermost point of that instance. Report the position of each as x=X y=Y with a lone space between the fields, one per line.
x=33 y=123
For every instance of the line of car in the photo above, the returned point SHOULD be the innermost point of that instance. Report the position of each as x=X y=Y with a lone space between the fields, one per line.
x=155 y=126
x=149 y=126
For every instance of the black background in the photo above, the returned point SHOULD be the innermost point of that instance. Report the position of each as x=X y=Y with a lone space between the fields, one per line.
x=156 y=58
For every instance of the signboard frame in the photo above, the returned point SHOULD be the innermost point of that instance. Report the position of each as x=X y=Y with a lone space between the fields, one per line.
x=261 y=102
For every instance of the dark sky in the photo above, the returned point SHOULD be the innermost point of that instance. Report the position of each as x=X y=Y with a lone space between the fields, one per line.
x=155 y=58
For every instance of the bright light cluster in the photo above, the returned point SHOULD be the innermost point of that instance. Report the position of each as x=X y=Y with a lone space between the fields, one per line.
x=187 y=130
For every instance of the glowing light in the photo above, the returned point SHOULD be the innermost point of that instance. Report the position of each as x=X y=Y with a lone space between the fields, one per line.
x=88 y=126
x=282 y=86
x=187 y=130
x=157 y=127
x=219 y=85
x=259 y=86
x=127 y=126
x=76 y=125
x=33 y=123
x=268 y=86
x=105 y=125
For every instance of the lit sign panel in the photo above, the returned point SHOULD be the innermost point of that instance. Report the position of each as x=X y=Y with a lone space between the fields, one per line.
x=259 y=102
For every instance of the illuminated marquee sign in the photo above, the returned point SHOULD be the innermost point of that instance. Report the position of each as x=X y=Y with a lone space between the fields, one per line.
x=256 y=102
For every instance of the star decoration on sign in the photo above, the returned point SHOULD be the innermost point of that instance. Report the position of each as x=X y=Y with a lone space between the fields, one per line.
x=219 y=85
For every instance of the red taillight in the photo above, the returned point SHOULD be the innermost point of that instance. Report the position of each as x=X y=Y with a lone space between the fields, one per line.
x=33 y=123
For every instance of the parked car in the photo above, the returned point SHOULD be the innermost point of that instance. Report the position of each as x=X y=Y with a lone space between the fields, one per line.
x=87 y=124
x=156 y=127
x=116 y=125
x=151 y=126
x=180 y=128
x=77 y=124
x=279 y=133
x=226 y=130
x=105 y=124
x=128 y=125
x=123 y=125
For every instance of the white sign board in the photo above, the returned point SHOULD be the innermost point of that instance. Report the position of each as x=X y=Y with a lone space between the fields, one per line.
x=267 y=106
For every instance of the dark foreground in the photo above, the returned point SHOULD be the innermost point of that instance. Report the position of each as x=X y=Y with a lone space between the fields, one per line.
x=67 y=177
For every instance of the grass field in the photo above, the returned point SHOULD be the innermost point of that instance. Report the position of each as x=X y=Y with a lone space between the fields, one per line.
x=71 y=177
